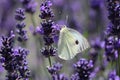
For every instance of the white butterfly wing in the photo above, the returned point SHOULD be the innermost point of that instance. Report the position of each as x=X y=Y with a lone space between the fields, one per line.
x=70 y=43
x=83 y=43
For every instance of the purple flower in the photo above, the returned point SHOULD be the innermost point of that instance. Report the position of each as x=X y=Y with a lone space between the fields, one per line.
x=20 y=56
x=111 y=48
x=39 y=30
x=48 y=29
x=13 y=61
x=97 y=44
x=112 y=33
x=20 y=16
x=112 y=30
x=93 y=54
x=84 y=69
x=54 y=70
x=114 y=12
x=113 y=76
x=48 y=52
x=25 y=1
x=96 y=4
x=29 y=5
x=7 y=22
x=75 y=77
x=6 y=58
x=46 y=11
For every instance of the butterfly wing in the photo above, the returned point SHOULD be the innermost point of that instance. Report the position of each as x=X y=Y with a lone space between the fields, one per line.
x=70 y=43
x=83 y=43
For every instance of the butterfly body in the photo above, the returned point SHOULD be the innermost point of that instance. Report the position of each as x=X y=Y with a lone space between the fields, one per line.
x=70 y=43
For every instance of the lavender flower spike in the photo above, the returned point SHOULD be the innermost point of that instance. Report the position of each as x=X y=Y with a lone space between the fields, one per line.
x=13 y=61
x=112 y=40
x=20 y=16
x=20 y=55
x=48 y=28
x=46 y=11
x=84 y=69
x=7 y=59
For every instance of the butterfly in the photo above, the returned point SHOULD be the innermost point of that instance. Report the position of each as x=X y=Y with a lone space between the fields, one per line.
x=70 y=43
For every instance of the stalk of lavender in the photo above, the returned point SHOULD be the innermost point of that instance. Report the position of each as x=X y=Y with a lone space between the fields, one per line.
x=112 y=41
x=47 y=29
x=14 y=62
x=20 y=16
x=83 y=69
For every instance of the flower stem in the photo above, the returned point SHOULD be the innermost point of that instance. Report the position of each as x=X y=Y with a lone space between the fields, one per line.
x=50 y=62
x=118 y=65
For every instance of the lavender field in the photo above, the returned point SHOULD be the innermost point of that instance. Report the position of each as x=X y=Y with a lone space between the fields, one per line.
x=30 y=31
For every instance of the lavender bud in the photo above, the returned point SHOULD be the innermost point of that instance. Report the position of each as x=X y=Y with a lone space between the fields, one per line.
x=20 y=14
x=48 y=52
x=46 y=12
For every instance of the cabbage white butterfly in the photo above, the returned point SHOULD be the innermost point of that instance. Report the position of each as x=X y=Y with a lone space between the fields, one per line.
x=70 y=43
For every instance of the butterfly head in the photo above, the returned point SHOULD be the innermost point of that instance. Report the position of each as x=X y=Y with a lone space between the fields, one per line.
x=63 y=28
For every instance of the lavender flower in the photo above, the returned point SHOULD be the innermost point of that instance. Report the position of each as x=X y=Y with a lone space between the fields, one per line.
x=112 y=40
x=112 y=32
x=6 y=58
x=29 y=5
x=114 y=11
x=111 y=48
x=20 y=16
x=7 y=22
x=20 y=55
x=48 y=52
x=14 y=62
x=95 y=52
x=113 y=76
x=75 y=77
x=54 y=70
x=93 y=55
x=97 y=44
x=46 y=11
x=83 y=69
x=96 y=4
x=48 y=29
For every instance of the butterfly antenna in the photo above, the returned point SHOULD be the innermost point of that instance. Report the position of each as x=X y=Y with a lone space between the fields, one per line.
x=66 y=21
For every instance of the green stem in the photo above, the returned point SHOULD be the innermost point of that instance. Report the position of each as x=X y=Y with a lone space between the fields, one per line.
x=118 y=65
x=50 y=62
